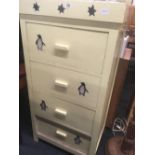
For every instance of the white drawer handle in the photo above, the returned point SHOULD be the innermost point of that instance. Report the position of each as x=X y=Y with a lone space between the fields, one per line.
x=60 y=112
x=61 y=83
x=61 y=133
x=61 y=47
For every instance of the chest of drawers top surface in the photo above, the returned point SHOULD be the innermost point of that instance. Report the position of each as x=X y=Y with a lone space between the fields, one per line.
x=77 y=9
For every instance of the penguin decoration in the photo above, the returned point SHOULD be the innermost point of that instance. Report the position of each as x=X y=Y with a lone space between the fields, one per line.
x=43 y=105
x=40 y=43
x=77 y=140
x=82 y=89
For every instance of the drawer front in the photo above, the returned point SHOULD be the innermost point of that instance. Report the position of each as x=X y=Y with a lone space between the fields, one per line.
x=68 y=85
x=63 y=137
x=63 y=112
x=62 y=46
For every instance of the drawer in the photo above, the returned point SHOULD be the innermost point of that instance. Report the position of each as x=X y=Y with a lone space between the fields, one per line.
x=70 y=115
x=61 y=46
x=71 y=86
x=67 y=139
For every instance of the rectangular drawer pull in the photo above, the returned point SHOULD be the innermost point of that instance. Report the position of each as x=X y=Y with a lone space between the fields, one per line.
x=61 y=133
x=61 y=47
x=61 y=112
x=61 y=83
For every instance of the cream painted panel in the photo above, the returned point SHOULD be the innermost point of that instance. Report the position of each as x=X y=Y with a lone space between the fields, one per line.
x=63 y=137
x=63 y=112
x=63 y=47
x=53 y=81
x=83 y=44
x=76 y=9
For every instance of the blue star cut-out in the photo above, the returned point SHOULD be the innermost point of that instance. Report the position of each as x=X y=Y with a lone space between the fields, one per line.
x=61 y=8
x=91 y=10
x=36 y=6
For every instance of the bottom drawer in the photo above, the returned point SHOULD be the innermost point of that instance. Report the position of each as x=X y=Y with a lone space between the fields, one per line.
x=62 y=137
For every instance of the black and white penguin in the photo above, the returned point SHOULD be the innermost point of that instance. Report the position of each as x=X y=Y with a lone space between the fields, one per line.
x=39 y=42
x=82 y=89
x=43 y=105
x=77 y=140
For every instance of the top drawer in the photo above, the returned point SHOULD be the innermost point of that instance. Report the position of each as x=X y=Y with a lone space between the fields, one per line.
x=75 y=9
x=74 y=48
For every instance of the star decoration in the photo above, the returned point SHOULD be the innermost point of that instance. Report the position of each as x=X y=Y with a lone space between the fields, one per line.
x=36 y=6
x=61 y=8
x=77 y=140
x=43 y=105
x=91 y=10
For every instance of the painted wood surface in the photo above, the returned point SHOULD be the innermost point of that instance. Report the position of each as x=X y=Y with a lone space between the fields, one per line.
x=77 y=68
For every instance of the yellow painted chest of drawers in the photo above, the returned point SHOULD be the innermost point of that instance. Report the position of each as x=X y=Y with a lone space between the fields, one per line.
x=71 y=51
